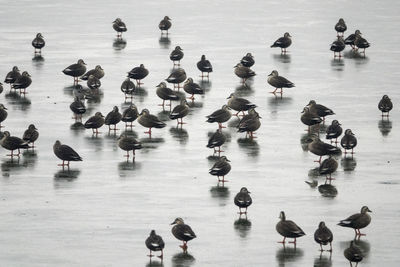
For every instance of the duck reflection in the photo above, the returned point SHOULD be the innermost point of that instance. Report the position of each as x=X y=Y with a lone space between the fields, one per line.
x=362 y=244
x=29 y=158
x=140 y=93
x=164 y=114
x=244 y=90
x=314 y=172
x=305 y=140
x=155 y=264
x=288 y=255
x=348 y=164
x=385 y=126
x=337 y=64
x=67 y=174
x=22 y=103
x=195 y=104
x=206 y=84
x=38 y=61
x=11 y=164
x=128 y=166
x=164 y=41
x=323 y=260
x=182 y=260
x=328 y=190
x=251 y=147
x=233 y=122
x=150 y=143
x=119 y=44
x=95 y=141
x=242 y=227
x=180 y=134
x=283 y=58
x=220 y=192
x=77 y=126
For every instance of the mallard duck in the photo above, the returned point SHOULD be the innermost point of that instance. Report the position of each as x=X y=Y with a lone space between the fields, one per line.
x=95 y=122
x=309 y=118
x=221 y=168
x=204 y=66
x=31 y=135
x=165 y=24
x=13 y=143
x=361 y=42
x=357 y=221
x=338 y=46
x=279 y=82
x=353 y=254
x=323 y=236
x=76 y=70
x=217 y=140
x=177 y=77
x=166 y=93
x=65 y=153
x=12 y=76
x=138 y=74
x=155 y=243
x=128 y=143
x=320 y=110
x=250 y=123
x=288 y=229
x=23 y=82
x=176 y=55
x=243 y=200
x=340 y=27
x=221 y=115
x=113 y=118
x=243 y=72
x=129 y=115
x=93 y=82
x=327 y=167
x=119 y=27
x=351 y=38
x=385 y=105
x=179 y=112
x=78 y=108
x=320 y=148
x=128 y=88
x=348 y=141
x=149 y=121
x=239 y=104
x=247 y=60
x=3 y=114
x=192 y=88
x=38 y=43
x=283 y=42
x=334 y=131
x=182 y=232
x=98 y=72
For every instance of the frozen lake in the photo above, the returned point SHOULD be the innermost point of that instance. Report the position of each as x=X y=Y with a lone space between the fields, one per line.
x=102 y=210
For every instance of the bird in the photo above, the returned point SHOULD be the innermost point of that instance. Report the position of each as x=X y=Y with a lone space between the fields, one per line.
x=327 y=167
x=338 y=46
x=113 y=118
x=351 y=38
x=247 y=60
x=334 y=131
x=129 y=115
x=288 y=229
x=128 y=88
x=95 y=122
x=283 y=42
x=76 y=70
x=138 y=74
x=360 y=42
x=166 y=93
x=84 y=93
x=119 y=27
x=216 y=140
x=165 y=24
x=220 y=116
x=93 y=82
x=348 y=141
x=320 y=148
x=323 y=236
x=31 y=135
x=12 y=76
x=176 y=77
x=65 y=153
x=179 y=112
x=239 y=104
x=309 y=118
x=250 y=123
x=3 y=114
x=38 y=43
x=243 y=72
x=357 y=221
x=320 y=110
x=221 y=168
x=98 y=72
x=385 y=105
x=243 y=200
x=182 y=232
x=23 y=82
x=176 y=55
x=278 y=82
x=155 y=243
x=128 y=143
x=78 y=108
x=340 y=27
x=353 y=254
x=13 y=143
x=204 y=66
x=192 y=88
x=148 y=120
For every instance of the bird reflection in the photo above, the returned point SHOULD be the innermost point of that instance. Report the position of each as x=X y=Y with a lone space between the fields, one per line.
x=128 y=166
x=11 y=165
x=328 y=190
x=233 y=122
x=314 y=172
x=251 y=146
x=150 y=143
x=385 y=126
x=219 y=191
x=304 y=141
x=140 y=93
x=95 y=141
x=244 y=90
x=288 y=255
x=337 y=64
x=364 y=245
x=348 y=164
x=29 y=158
x=205 y=84
x=164 y=114
x=182 y=259
x=19 y=102
x=164 y=41
x=77 y=126
x=119 y=44
x=180 y=134
x=155 y=264
x=323 y=260
x=38 y=61
x=195 y=104
x=66 y=175
x=242 y=227
x=283 y=58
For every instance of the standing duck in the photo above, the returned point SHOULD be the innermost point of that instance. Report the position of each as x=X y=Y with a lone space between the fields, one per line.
x=243 y=72
x=323 y=236
x=93 y=82
x=243 y=200
x=13 y=143
x=283 y=42
x=182 y=232
x=309 y=118
x=95 y=122
x=76 y=70
x=385 y=105
x=138 y=74
x=239 y=104
x=179 y=112
x=23 y=82
x=360 y=42
x=165 y=24
x=250 y=123
x=155 y=243
x=31 y=135
x=340 y=27
x=217 y=140
x=334 y=131
x=148 y=120
x=327 y=167
x=357 y=221
x=166 y=93
x=192 y=88
x=353 y=254
x=128 y=88
x=351 y=38
x=221 y=168
x=204 y=66
x=320 y=110
x=119 y=27
x=3 y=114
x=38 y=43
x=320 y=148
x=129 y=115
x=65 y=153
x=338 y=46
x=78 y=108
x=221 y=115
x=12 y=76
x=278 y=82
x=128 y=143
x=113 y=118
x=176 y=55
x=247 y=60
x=349 y=141
x=288 y=229
x=176 y=77
x=98 y=72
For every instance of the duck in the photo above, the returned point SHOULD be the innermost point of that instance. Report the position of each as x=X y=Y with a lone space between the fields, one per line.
x=216 y=140
x=166 y=93
x=128 y=88
x=148 y=120
x=348 y=141
x=176 y=55
x=243 y=200
x=220 y=116
x=31 y=135
x=351 y=38
x=179 y=112
x=353 y=254
x=76 y=70
x=323 y=236
x=320 y=110
x=279 y=82
x=38 y=43
x=192 y=88
x=23 y=82
x=113 y=118
x=12 y=76
x=65 y=153
x=247 y=60
x=309 y=118
x=182 y=232
x=321 y=149
x=3 y=114
x=204 y=66
x=340 y=27
x=155 y=243
x=338 y=46
x=119 y=26
x=288 y=229
x=221 y=168
x=98 y=72
x=357 y=221
x=327 y=167
x=78 y=108
x=165 y=24
x=361 y=42
x=250 y=123
x=95 y=122
x=129 y=115
x=334 y=131
x=283 y=42
x=138 y=74
x=128 y=143
x=243 y=72
x=13 y=143
x=176 y=77
x=239 y=104
x=385 y=105
x=93 y=82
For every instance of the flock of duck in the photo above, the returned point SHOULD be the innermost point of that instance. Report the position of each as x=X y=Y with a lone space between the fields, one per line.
x=313 y=116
